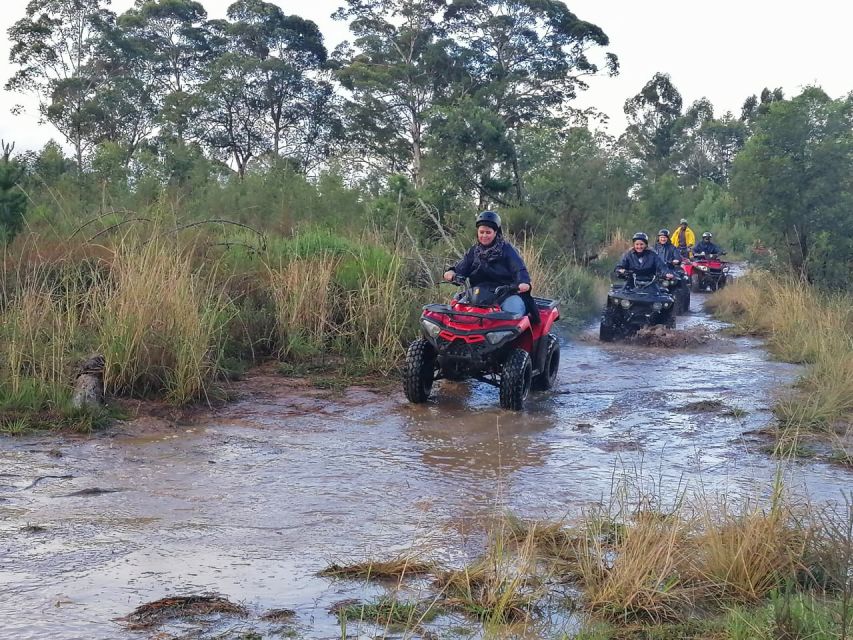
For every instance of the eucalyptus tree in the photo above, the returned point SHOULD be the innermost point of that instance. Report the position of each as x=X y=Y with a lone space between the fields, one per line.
x=54 y=45
x=654 y=118
x=300 y=107
x=175 y=44
x=525 y=61
x=398 y=67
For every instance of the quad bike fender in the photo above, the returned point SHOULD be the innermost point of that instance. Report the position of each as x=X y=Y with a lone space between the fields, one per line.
x=525 y=341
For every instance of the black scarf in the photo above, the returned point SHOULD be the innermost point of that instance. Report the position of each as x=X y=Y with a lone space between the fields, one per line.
x=490 y=253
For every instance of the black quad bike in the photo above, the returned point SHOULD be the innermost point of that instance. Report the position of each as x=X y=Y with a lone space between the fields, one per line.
x=678 y=287
x=473 y=338
x=639 y=303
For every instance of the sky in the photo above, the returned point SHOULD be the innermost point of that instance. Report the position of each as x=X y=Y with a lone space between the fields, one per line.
x=724 y=50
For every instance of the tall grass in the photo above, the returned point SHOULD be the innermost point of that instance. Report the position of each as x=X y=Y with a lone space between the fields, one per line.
x=803 y=326
x=302 y=297
x=161 y=322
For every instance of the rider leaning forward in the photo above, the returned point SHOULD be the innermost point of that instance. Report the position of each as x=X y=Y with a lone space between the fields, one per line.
x=493 y=262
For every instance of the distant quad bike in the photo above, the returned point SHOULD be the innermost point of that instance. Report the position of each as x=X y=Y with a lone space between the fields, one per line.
x=679 y=287
x=639 y=303
x=473 y=338
x=707 y=271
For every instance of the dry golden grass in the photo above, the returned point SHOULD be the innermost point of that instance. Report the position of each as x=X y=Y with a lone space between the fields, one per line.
x=301 y=291
x=636 y=574
x=397 y=568
x=161 y=322
x=741 y=556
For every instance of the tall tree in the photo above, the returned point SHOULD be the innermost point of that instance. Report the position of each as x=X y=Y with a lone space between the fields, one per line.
x=13 y=202
x=54 y=45
x=175 y=42
x=794 y=178
x=298 y=100
x=525 y=61
x=654 y=116
x=395 y=73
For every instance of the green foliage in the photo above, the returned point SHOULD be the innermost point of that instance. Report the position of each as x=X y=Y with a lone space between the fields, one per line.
x=794 y=178
x=13 y=202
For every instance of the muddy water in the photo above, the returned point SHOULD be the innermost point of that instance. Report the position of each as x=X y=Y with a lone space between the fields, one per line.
x=253 y=501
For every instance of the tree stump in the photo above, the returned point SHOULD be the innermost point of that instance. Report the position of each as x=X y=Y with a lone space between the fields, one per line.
x=89 y=383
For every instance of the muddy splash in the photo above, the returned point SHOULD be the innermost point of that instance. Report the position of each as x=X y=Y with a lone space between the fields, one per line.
x=254 y=500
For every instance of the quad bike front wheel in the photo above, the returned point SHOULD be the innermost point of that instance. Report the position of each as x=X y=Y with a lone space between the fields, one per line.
x=516 y=378
x=419 y=371
x=695 y=283
x=607 y=328
x=548 y=376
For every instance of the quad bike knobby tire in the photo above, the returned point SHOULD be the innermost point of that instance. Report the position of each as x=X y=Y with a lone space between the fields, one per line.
x=607 y=329
x=516 y=378
x=723 y=282
x=419 y=371
x=695 y=283
x=670 y=323
x=548 y=376
x=685 y=298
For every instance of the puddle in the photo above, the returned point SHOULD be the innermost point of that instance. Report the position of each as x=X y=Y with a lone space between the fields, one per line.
x=255 y=501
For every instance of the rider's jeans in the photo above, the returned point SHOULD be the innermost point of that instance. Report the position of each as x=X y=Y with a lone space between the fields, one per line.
x=514 y=304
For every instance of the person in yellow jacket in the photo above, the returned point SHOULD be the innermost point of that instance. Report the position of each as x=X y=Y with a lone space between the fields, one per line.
x=683 y=238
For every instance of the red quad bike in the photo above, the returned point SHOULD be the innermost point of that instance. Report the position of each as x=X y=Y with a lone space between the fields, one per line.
x=707 y=271
x=473 y=338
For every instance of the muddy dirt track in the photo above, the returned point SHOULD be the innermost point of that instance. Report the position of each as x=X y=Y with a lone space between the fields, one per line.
x=252 y=502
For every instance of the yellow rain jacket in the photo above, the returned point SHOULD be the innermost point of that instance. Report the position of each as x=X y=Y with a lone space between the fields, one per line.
x=689 y=237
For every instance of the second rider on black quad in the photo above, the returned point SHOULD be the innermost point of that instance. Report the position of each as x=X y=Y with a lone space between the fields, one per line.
x=680 y=285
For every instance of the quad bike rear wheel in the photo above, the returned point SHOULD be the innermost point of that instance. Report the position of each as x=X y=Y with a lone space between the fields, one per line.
x=516 y=378
x=548 y=376
x=419 y=371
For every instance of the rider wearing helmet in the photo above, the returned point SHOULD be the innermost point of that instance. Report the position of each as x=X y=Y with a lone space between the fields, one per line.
x=641 y=260
x=706 y=246
x=493 y=262
x=683 y=237
x=665 y=249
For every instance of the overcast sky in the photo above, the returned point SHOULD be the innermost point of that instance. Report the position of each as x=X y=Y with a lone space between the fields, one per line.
x=724 y=50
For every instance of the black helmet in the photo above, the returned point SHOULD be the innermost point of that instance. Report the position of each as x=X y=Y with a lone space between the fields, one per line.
x=707 y=234
x=664 y=232
x=490 y=219
x=640 y=236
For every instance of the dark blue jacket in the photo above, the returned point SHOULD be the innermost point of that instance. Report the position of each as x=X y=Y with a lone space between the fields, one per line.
x=645 y=264
x=668 y=252
x=706 y=247
x=508 y=268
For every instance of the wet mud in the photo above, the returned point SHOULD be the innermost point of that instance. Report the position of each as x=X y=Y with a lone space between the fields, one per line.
x=252 y=501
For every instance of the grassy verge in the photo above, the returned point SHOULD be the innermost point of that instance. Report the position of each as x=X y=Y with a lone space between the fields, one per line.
x=705 y=567
x=802 y=326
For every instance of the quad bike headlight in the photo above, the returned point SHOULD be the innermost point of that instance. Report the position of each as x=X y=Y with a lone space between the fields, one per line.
x=625 y=303
x=432 y=329
x=702 y=267
x=495 y=337
x=657 y=306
